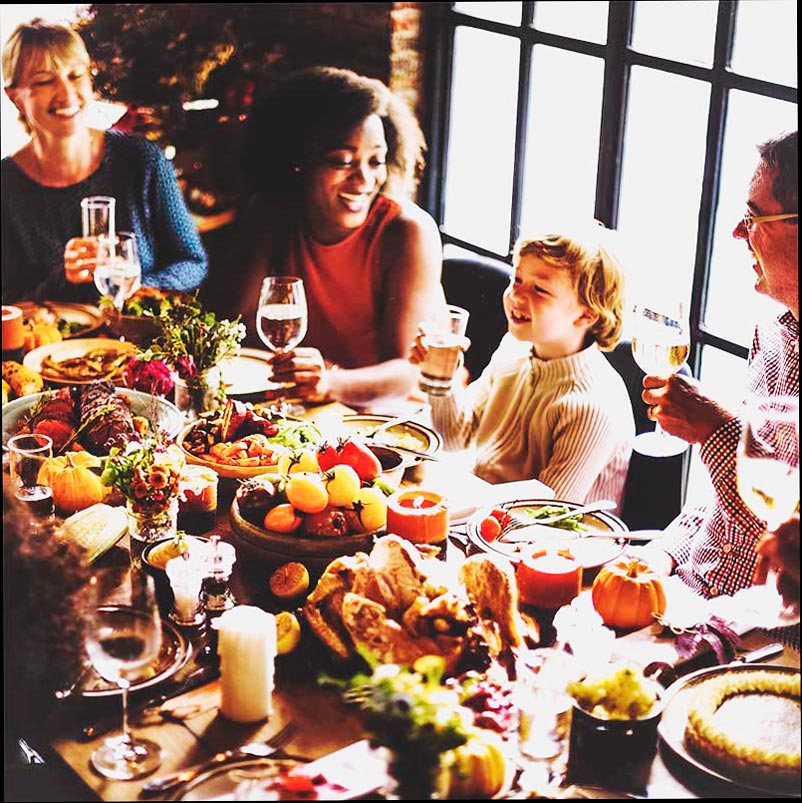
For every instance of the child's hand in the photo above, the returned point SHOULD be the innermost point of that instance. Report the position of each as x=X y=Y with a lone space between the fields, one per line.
x=418 y=349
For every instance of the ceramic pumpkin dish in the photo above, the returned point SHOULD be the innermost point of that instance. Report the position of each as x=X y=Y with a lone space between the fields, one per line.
x=627 y=594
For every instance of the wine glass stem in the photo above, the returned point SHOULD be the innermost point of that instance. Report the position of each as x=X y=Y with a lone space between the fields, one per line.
x=126 y=733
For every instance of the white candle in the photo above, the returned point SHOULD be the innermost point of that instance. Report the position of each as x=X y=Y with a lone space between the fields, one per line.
x=186 y=578
x=247 y=649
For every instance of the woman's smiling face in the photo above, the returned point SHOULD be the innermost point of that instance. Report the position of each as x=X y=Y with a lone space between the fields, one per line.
x=543 y=308
x=341 y=188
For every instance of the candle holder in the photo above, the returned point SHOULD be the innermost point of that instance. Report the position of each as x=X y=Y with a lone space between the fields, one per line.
x=186 y=577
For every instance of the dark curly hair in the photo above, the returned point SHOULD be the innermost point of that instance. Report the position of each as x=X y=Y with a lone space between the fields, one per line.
x=312 y=111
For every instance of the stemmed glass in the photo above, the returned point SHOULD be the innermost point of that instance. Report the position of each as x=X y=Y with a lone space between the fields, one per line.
x=281 y=318
x=123 y=639
x=768 y=481
x=118 y=274
x=660 y=345
x=80 y=253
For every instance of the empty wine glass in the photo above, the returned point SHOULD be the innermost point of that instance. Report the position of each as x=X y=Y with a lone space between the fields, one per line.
x=118 y=274
x=281 y=318
x=768 y=480
x=123 y=639
x=660 y=345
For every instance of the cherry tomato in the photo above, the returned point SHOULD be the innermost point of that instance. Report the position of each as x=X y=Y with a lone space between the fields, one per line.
x=501 y=516
x=282 y=519
x=293 y=462
x=370 y=507
x=489 y=528
x=343 y=484
x=306 y=492
x=327 y=456
x=328 y=523
x=356 y=454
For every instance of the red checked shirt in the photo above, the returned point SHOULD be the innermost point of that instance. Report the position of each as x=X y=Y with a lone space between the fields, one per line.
x=714 y=545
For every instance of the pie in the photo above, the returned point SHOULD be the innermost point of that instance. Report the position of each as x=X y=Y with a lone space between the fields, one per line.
x=747 y=724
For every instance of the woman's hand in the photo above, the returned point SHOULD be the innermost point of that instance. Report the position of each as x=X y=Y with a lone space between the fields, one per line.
x=306 y=369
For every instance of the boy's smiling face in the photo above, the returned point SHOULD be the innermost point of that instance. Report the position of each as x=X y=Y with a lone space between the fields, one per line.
x=543 y=308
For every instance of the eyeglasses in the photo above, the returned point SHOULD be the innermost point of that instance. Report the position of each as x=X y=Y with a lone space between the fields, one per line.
x=749 y=219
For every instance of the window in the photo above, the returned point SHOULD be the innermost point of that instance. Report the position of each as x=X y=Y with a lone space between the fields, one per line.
x=643 y=114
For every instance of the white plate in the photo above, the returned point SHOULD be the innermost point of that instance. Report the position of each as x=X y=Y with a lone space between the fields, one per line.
x=247 y=373
x=69 y=349
x=87 y=316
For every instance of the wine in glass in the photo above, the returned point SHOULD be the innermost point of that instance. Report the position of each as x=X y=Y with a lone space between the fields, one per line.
x=123 y=639
x=118 y=274
x=768 y=480
x=80 y=253
x=281 y=318
x=660 y=345
x=27 y=454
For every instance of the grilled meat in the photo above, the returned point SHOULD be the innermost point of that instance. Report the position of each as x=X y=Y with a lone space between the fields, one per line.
x=111 y=422
x=56 y=418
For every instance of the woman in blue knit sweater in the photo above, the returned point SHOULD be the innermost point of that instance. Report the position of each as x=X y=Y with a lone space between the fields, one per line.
x=46 y=73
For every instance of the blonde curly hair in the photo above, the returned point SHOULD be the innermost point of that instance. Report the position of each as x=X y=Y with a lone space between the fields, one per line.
x=597 y=273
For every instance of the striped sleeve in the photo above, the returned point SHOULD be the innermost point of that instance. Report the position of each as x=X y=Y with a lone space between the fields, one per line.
x=456 y=415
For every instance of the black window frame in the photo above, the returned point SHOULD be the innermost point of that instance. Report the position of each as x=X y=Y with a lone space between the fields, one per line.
x=619 y=58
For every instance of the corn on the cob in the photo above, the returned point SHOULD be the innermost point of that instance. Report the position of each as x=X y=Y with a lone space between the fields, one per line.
x=21 y=380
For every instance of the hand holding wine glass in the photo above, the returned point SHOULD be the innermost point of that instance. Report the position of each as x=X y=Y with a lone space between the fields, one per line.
x=123 y=639
x=660 y=346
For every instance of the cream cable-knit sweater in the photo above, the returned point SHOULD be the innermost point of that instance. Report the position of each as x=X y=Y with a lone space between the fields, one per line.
x=566 y=422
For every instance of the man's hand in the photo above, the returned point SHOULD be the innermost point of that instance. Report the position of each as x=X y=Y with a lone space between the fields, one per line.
x=779 y=550
x=682 y=409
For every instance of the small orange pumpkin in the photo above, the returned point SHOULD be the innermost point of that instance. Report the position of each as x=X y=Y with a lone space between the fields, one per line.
x=626 y=594
x=75 y=486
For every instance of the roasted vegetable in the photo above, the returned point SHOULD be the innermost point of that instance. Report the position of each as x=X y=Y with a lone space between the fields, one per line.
x=21 y=380
x=6 y=391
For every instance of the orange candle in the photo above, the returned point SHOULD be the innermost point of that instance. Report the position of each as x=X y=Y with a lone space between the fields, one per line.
x=417 y=515
x=549 y=578
x=13 y=331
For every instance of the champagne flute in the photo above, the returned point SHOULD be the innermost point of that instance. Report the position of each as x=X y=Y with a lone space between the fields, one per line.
x=80 y=253
x=118 y=274
x=768 y=480
x=123 y=639
x=660 y=345
x=281 y=318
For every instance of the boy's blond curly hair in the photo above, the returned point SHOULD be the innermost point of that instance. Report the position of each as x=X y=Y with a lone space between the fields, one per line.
x=596 y=271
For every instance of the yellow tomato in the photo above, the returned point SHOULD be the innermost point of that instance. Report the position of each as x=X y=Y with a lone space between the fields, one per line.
x=306 y=492
x=342 y=484
x=370 y=505
x=294 y=462
x=282 y=519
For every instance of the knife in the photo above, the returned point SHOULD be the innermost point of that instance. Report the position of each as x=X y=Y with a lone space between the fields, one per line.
x=198 y=677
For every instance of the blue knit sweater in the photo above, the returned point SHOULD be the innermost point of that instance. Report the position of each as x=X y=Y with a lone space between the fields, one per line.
x=37 y=222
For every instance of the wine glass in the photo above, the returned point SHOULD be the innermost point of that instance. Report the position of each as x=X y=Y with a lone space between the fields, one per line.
x=118 y=274
x=123 y=639
x=80 y=253
x=660 y=345
x=281 y=318
x=768 y=480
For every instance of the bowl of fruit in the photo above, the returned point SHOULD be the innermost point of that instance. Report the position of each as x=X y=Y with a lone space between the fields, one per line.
x=319 y=504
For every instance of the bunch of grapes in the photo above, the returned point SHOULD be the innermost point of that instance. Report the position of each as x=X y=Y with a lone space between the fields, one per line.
x=490 y=701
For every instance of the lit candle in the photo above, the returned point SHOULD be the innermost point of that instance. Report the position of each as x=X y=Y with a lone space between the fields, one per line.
x=417 y=515
x=247 y=649
x=13 y=331
x=549 y=578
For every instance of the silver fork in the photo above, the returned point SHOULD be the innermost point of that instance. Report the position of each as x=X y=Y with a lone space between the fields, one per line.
x=257 y=749
x=517 y=522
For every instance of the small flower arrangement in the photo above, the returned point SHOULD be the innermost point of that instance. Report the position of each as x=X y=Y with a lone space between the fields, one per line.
x=146 y=373
x=146 y=472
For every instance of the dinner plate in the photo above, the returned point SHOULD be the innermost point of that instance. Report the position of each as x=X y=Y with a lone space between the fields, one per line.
x=70 y=349
x=174 y=653
x=85 y=318
x=247 y=373
x=590 y=552
x=406 y=435
x=675 y=717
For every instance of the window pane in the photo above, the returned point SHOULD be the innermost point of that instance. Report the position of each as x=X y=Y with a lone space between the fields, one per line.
x=765 y=40
x=661 y=185
x=481 y=140
x=582 y=19
x=561 y=160
x=682 y=30
x=733 y=306
x=510 y=13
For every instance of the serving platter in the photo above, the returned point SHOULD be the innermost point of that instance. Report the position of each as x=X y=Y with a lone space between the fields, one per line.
x=406 y=435
x=671 y=729
x=71 y=349
x=589 y=552
x=174 y=653
x=84 y=318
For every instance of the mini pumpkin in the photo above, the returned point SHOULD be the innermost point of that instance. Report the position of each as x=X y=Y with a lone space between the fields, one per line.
x=75 y=486
x=476 y=769
x=627 y=593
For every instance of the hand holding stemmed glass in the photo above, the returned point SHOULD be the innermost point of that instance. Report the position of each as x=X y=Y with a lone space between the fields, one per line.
x=123 y=639
x=80 y=253
x=768 y=482
x=660 y=346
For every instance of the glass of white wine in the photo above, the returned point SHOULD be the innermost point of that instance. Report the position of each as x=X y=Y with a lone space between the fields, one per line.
x=768 y=480
x=660 y=346
x=123 y=639
x=118 y=274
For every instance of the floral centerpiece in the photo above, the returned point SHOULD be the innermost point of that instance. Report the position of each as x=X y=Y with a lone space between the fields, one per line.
x=412 y=714
x=194 y=342
x=147 y=473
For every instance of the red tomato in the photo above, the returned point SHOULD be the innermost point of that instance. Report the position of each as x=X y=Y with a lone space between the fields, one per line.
x=500 y=515
x=327 y=456
x=489 y=528
x=354 y=453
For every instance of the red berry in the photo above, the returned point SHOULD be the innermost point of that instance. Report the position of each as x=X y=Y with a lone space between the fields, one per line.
x=500 y=515
x=489 y=528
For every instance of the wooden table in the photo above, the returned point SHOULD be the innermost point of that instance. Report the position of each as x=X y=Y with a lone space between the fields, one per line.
x=324 y=722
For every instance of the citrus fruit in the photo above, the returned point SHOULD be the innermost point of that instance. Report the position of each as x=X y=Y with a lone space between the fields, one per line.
x=288 y=632
x=290 y=580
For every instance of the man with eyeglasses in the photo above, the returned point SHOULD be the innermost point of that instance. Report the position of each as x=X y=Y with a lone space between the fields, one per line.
x=713 y=548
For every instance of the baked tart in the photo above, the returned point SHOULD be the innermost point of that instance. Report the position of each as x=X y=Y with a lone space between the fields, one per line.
x=747 y=725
